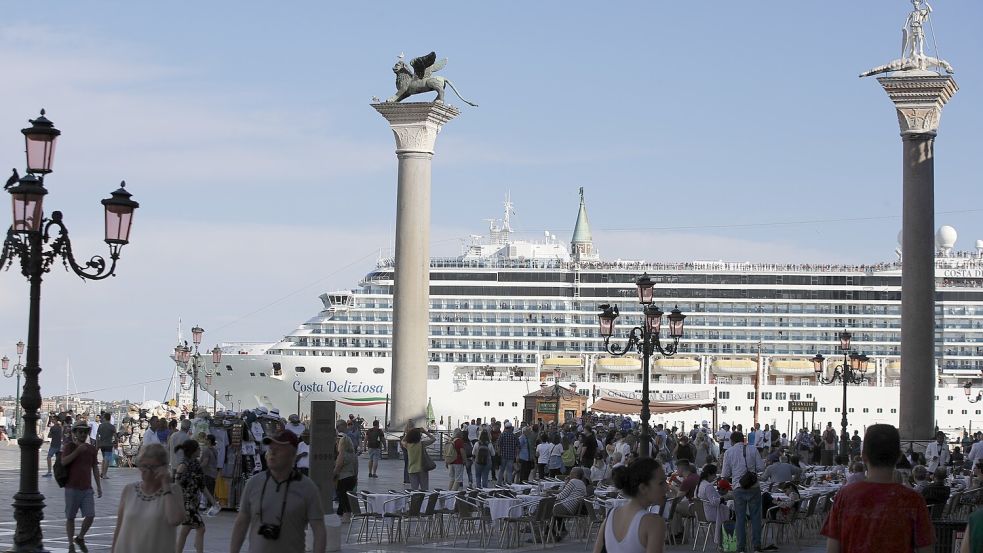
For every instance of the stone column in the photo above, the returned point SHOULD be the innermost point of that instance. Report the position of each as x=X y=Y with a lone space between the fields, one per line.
x=918 y=97
x=415 y=126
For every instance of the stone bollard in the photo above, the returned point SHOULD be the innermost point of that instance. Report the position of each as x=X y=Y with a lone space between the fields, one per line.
x=332 y=525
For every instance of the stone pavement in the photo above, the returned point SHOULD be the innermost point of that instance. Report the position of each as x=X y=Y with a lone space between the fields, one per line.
x=219 y=528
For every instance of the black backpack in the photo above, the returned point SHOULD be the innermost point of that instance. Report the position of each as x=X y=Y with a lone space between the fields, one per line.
x=60 y=471
x=482 y=457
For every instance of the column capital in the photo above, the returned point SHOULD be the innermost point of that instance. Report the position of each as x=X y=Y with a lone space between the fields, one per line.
x=415 y=124
x=918 y=97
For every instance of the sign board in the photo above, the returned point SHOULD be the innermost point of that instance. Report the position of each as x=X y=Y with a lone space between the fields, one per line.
x=547 y=407
x=323 y=440
x=802 y=406
x=698 y=396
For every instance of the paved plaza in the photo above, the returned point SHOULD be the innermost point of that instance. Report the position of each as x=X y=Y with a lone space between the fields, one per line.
x=219 y=528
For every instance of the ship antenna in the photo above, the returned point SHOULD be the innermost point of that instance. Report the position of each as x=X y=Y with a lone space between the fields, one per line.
x=509 y=211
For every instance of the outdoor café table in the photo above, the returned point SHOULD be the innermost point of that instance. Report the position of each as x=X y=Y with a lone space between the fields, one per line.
x=381 y=502
x=549 y=484
x=521 y=488
x=499 y=507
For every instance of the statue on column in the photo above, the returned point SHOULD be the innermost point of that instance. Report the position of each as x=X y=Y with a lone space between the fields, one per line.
x=913 y=55
x=421 y=79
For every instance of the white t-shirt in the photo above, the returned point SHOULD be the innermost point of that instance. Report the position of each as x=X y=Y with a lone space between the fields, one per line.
x=297 y=429
x=472 y=432
x=304 y=462
x=543 y=452
x=93 y=427
x=150 y=437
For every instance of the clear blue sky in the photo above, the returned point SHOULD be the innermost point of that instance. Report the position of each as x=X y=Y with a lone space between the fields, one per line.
x=265 y=178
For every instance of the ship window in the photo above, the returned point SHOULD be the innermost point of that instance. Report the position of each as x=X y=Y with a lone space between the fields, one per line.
x=300 y=369
x=737 y=407
x=378 y=370
x=866 y=410
x=325 y=369
x=780 y=408
x=964 y=411
x=723 y=395
x=767 y=408
x=487 y=404
x=252 y=374
x=352 y=370
x=977 y=411
x=808 y=396
x=823 y=409
x=950 y=398
x=501 y=404
x=879 y=410
x=262 y=374
x=895 y=411
x=515 y=404
x=228 y=367
x=949 y=411
x=750 y=395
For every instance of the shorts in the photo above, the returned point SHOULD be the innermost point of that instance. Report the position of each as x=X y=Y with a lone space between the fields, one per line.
x=79 y=499
x=375 y=453
x=52 y=451
x=107 y=455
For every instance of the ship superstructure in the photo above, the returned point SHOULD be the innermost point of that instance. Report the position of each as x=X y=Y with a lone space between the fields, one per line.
x=509 y=315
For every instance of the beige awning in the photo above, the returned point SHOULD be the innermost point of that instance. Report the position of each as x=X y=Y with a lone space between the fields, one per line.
x=735 y=366
x=618 y=365
x=791 y=366
x=677 y=365
x=623 y=406
x=892 y=369
x=563 y=362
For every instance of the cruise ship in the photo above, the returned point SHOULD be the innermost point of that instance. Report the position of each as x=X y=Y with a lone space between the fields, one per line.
x=510 y=316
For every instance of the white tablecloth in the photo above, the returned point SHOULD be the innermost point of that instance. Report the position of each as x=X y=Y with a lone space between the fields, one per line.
x=521 y=488
x=499 y=506
x=376 y=502
x=549 y=484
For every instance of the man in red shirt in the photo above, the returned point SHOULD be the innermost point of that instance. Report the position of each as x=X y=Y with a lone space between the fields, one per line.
x=81 y=458
x=877 y=514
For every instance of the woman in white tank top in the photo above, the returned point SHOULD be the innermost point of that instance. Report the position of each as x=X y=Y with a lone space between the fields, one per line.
x=631 y=528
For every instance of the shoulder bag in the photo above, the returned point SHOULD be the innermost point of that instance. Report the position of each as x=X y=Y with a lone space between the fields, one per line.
x=750 y=478
x=426 y=463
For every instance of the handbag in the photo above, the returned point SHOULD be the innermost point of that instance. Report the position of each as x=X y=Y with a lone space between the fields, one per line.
x=749 y=478
x=425 y=461
x=60 y=471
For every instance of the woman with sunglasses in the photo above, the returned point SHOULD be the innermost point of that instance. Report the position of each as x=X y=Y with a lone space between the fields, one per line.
x=149 y=510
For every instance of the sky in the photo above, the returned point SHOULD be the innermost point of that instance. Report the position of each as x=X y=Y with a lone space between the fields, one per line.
x=699 y=130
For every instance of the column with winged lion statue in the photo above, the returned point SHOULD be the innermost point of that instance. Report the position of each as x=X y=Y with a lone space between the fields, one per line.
x=415 y=126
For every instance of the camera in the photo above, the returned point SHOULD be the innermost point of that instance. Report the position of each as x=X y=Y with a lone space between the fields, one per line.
x=269 y=531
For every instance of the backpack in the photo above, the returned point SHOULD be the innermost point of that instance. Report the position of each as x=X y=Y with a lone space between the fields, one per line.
x=569 y=458
x=60 y=471
x=450 y=453
x=482 y=457
x=373 y=439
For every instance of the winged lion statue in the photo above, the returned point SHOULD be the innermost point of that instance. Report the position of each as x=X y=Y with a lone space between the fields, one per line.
x=421 y=79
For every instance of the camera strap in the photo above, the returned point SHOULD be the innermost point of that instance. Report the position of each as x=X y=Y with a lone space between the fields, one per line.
x=283 y=506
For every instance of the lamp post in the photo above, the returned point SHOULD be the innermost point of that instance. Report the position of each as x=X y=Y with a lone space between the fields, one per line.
x=183 y=356
x=645 y=340
x=38 y=241
x=228 y=400
x=852 y=371
x=968 y=389
x=18 y=369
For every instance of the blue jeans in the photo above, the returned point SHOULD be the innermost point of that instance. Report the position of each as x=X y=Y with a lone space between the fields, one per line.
x=747 y=503
x=505 y=471
x=481 y=475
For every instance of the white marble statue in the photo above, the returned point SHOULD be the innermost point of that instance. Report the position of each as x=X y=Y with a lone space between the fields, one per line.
x=913 y=55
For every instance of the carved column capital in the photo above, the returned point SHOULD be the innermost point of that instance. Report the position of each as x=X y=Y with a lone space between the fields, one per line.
x=919 y=97
x=415 y=124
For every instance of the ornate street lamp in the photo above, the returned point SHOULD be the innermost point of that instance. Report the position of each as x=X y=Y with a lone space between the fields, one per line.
x=968 y=389
x=645 y=340
x=38 y=242
x=191 y=364
x=17 y=370
x=852 y=371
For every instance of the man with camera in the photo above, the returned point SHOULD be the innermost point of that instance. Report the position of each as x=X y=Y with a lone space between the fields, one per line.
x=278 y=504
